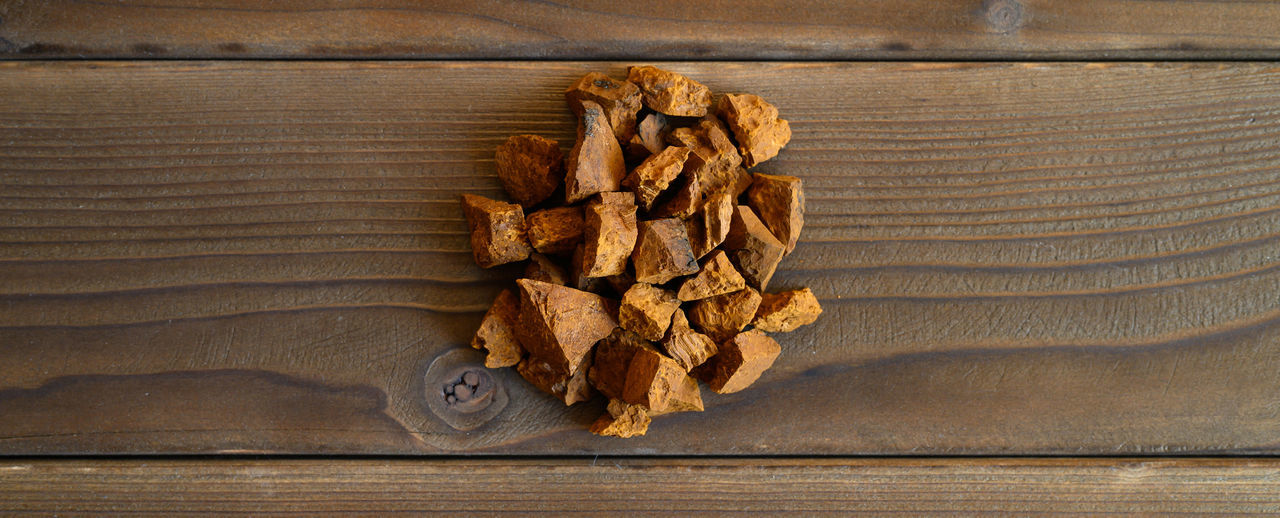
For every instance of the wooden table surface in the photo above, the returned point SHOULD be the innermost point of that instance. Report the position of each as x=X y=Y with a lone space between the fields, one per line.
x=1038 y=228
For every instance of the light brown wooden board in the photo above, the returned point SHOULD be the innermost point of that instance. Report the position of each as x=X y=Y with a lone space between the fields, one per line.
x=605 y=485
x=661 y=29
x=1014 y=258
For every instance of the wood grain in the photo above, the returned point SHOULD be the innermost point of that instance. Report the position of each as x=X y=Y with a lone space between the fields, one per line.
x=609 y=485
x=270 y=257
x=663 y=29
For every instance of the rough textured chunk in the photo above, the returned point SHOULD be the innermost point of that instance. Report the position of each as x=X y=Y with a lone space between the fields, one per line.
x=650 y=135
x=685 y=137
x=652 y=176
x=560 y=324
x=620 y=101
x=722 y=316
x=670 y=93
x=542 y=268
x=715 y=160
x=530 y=168
x=610 y=235
x=779 y=200
x=612 y=359
x=497 y=231
x=739 y=363
x=687 y=347
x=717 y=277
x=752 y=248
x=595 y=163
x=498 y=333
x=662 y=252
x=786 y=311
x=657 y=383
x=570 y=387
x=756 y=126
x=622 y=419
x=646 y=310
x=578 y=278
x=682 y=200
x=710 y=225
x=555 y=230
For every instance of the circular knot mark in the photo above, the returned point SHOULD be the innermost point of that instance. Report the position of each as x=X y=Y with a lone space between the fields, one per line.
x=468 y=390
x=460 y=391
x=1002 y=16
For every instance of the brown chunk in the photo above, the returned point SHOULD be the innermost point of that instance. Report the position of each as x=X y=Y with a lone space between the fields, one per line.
x=560 y=324
x=542 y=268
x=662 y=252
x=718 y=276
x=786 y=311
x=620 y=101
x=646 y=310
x=497 y=231
x=530 y=168
x=556 y=230
x=739 y=363
x=650 y=134
x=622 y=419
x=755 y=123
x=610 y=234
x=613 y=357
x=499 y=330
x=652 y=176
x=687 y=347
x=670 y=93
x=578 y=275
x=752 y=248
x=686 y=137
x=779 y=200
x=565 y=386
x=715 y=161
x=596 y=163
x=722 y=316
x=657 y=383
x=710 y=225
x=683 y=199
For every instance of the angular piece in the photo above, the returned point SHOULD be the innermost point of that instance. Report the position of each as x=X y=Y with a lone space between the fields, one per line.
x=499 y=330
x=756 y=126
x=652 y=176
x=620 y=101
x=657 y=383
x=646 y=310
x=717 y=277
x=530 y=168
x=682 y=200
x=722 y=316
x=610 y=234
x=715 y=160
x=670 y=93
x=685 y=137
x=560 y=324
x=786 y=311
x=570 y=387
x=650 y=134
x=687 y=347
x=752 y=248
x=710 y=225
x=542 y=268
x=497 y=231
x=662 y=252
x=622 y=419
x=779 y=200
x=596 y=163
x=556 y=230
x=612 y=359
x=578 y=275
x=739 y=363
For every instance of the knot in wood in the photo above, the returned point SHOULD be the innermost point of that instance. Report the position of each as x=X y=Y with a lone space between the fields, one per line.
x=1002 y=16
x=461 y=392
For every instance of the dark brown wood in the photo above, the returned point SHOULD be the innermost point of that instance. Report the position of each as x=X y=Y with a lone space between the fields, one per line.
x=270 y=257
x=660 y=29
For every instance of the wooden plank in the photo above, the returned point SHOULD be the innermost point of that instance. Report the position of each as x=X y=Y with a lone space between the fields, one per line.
x=603 y=485
x=268 y=257
x=663 y=29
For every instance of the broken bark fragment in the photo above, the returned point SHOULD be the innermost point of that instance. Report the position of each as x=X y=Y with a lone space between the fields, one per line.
x=497 y=231
x=670 y=93
x=610 y=234
x=646 y=310
x=612 y=359
x=595 y=163
x=499 y=331
x=652 y=176
x=560 y=324
x=739 y=363
x=717 y=277
x=779 y=200
x=784 y=312
x=722 y=316
x=710 y=225
x=620 y=101
x=622 y=419
x=542 y=268
x=650 y=135
x=659 y=384
x=530 y=168
x=555 y=230
x=662 y=252
x=756 y=126
x=752 y=248
x=687 y=347
x=569 y=387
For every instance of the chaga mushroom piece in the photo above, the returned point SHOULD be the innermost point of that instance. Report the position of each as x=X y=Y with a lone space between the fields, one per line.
x=687 y=347
x=555 y=230
x=612 y=359
x=714 y=159
x=718 y=276
x=739 y=363
x=646 y=310
x=497 y=231
x=542 y=268
x=786 y=311
x=652 y=176
x=657 y=383
x=578 y=278
x=670 y=93
x=650 y=134
x=596 y=163
x=722 y=316
x=559 y=324
x=779 y=200
x=710 y=225
x=662 y=252
x=755 y=123
x=610 y=234
x=498 y=332
x=622 y=419
x=530 y=168
x=683 y=199
x=569 y=387
x=752 y=248
x=620 y=101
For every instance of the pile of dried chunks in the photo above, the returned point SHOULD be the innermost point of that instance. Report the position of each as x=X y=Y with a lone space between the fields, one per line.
x=667 y=236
